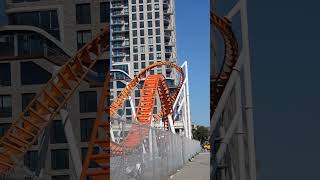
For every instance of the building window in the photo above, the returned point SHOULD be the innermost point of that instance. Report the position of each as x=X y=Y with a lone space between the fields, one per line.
x=83 y=37
x=134 y=25
x=32 y=73
x=149 y=24
x=134 y=17
x=135 y=41
x=83 y=14
x=142 y=24
x=101 y=69
x=143 y=57
x=142 y=49
x=150 y=48
x=5 y=106
x=57 y=132
x=143 y=65
x=5 y=74
x=141 y=16
x=151 y=56
x=86 y=126
x=150 y=40
x=157 y=31
x=158 y=47
x=135 y=66
x=149 y=15
x=157 y=23
x=156 y=6
x=150 y=32
x=141 y=8
x=149 y=7
x=3 y=128
x=84 y=154
x=141 y=40
x=61 y=177
x=134 y=9
x=88 y=101
x=141 y=32
x=135 y=49
x=135 y=57
x=133 y=2
x=158 y=39
x=31 y=160
x=104 y=12
x=26 y=99
x=134 y=33
x=47 y=20
x=156 y=15
x=120 y=85
x=59 y=159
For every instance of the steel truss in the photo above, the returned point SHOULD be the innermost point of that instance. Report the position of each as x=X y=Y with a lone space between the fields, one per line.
x=232 y=132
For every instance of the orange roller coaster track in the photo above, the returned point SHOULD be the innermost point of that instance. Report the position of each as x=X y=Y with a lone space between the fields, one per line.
x=153 y=85
x=231 y=52
x=26 y=129
x=30 y=124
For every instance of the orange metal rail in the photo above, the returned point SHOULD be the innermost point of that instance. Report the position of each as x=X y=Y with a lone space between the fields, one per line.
x=26 y=129
x=153 y=85
x=223 y=25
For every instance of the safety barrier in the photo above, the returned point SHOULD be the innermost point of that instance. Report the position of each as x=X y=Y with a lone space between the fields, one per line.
x=159 y=154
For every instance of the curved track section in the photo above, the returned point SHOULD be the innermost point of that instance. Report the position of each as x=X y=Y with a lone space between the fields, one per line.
x=223 y=25
x=153 y=85
x=26 y=129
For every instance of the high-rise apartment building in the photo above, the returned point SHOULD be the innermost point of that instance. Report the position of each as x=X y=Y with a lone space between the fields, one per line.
x=142 y=32
x=40 y=36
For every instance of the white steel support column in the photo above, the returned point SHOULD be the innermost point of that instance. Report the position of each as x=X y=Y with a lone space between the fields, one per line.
x=74 y=150
x=187 y=103
x=248 y=91
x=240 y=134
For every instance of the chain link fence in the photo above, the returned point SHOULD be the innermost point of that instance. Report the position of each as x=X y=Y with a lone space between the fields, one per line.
x=157 y=156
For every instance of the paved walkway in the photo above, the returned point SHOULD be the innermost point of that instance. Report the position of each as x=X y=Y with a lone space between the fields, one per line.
x=198 y=168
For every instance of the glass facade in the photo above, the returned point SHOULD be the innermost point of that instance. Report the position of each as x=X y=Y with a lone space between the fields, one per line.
x=46 y=20
x=5 y=106
x=31 y=73
x=59 y=159
x=86 y=126
x=88 y=101
x=83 y=13
x=57 y=132
x=5 y=74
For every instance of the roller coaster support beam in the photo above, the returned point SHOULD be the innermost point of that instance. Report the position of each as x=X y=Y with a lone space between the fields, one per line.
x=222 y=102
x=185 y=66
x=68 y=130
x=240 y=133
x=75 y=155
x=185 y=102
x=248 y=91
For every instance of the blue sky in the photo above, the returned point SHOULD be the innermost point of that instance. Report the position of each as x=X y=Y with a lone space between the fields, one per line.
x=193 y=43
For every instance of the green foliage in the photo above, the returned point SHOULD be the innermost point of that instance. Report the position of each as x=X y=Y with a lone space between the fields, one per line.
x=201 y=134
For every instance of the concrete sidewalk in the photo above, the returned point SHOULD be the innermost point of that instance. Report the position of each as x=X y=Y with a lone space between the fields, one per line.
x=198 y=168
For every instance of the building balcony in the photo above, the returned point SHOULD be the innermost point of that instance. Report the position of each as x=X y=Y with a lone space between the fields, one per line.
x=120 y=14
x=118 y=5
x=121 y=38
x=119 y=54
x=118 y=23
x=121 y=47
x=120 y=30
x=168 y=44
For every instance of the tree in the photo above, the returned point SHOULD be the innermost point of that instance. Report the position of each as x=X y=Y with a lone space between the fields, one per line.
x=201 y=134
